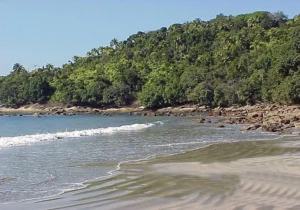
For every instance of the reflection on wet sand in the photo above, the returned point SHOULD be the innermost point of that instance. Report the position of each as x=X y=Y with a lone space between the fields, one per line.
x=241 y=175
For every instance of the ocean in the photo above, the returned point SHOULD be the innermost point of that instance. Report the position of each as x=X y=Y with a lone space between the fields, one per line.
x=45 y=157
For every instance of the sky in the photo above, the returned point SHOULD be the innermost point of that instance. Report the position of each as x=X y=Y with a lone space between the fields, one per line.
x=37 y=32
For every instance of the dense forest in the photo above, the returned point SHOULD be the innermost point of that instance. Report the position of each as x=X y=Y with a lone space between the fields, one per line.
x=241 y=59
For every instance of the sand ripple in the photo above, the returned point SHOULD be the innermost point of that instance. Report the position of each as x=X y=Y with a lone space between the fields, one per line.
x=237 y=176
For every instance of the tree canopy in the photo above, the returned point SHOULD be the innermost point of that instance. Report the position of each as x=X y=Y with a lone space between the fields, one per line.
x=241 y=59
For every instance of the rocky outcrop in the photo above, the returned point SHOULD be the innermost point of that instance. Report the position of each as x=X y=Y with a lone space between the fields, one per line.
x=268 y=117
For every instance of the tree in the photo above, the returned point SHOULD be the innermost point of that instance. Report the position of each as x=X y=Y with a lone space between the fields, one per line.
x=118 y=94
x=202 y=94
x=241 y=59
x=114 y=43
x=17 y=67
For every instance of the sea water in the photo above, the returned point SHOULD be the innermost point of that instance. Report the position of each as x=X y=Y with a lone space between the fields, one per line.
x=41 y=157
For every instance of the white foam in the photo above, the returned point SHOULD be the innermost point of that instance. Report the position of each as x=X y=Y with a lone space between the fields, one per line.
x=29 y=139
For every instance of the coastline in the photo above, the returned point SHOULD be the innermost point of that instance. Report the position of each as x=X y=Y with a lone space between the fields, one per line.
x=54 y=109
x=267 y=117
x=204 y=168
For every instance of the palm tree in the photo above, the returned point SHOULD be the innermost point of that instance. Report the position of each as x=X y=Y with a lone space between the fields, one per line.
x=18 y=67
x=93 y=53
x=49 y=66
x=114 y=43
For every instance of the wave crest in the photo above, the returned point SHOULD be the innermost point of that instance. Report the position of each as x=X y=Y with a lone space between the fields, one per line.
x=28 y=139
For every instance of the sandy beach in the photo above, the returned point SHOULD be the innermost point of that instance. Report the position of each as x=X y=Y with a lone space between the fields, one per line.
x=268 y=178
x=260 y=175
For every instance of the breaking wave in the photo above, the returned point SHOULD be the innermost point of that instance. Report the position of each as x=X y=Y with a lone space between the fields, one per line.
x=29 y=139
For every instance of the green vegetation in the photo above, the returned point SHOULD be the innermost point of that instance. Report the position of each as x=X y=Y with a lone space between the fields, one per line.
x=228 y=60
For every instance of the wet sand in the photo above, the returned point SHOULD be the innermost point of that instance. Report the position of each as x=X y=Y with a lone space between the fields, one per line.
x=260 y=175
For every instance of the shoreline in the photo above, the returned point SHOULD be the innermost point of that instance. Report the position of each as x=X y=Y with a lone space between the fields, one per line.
x=266 y=117
x=50 y=109
x=174 y=180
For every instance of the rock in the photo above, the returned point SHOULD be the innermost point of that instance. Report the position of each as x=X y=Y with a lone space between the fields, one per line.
x=257 y=120
x=254 y=115
x=36 y=114
x=297 y=125
x=245 y=128
x=216 y=113
x=285 y=121
x=201 y=120
x=167 y=114
x=158 y=114
x=250 y=127
x=288 y=126
x=150 y=114
x=273 y=107
x=274 y=120
x=221 y=126
x=142 y=107
x=228 y=121
x=271 y=128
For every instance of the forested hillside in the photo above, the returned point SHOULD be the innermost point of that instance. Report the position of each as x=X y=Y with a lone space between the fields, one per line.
x=228 y=60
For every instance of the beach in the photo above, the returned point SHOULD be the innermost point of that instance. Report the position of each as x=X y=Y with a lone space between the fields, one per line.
x=238 y=175
x=188 y=105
